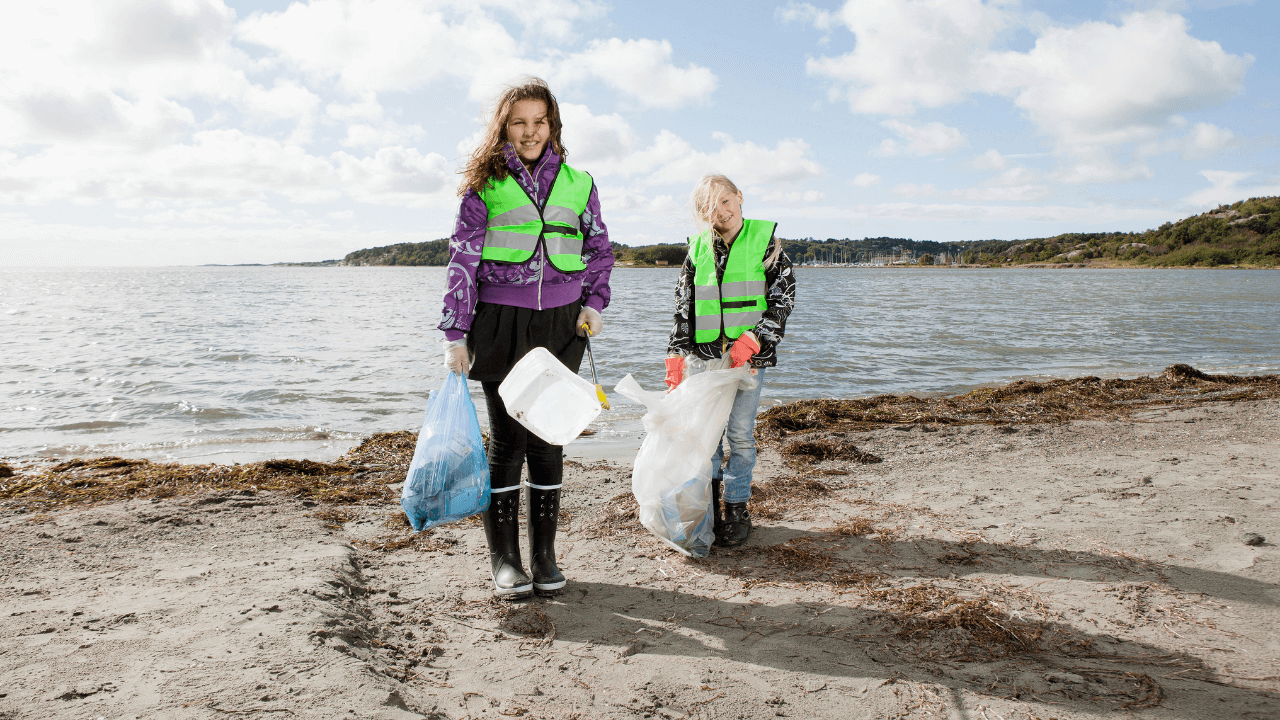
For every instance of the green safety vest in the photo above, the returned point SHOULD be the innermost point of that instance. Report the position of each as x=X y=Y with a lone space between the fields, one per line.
x=736 y=303
x=516 y=225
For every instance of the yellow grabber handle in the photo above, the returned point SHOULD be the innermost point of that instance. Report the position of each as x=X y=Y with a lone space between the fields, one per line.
x=604 y=401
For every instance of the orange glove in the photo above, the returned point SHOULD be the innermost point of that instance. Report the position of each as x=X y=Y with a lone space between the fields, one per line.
x=675 y=372
x=744 y=348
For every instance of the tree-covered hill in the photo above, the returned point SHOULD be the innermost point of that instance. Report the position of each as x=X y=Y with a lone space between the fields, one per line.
x=1243 y=233
x=434 y=252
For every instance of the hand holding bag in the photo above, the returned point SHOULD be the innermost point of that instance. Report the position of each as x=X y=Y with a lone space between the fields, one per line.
x=448 y=478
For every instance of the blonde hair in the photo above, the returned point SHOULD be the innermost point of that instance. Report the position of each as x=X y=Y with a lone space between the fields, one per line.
x=487 y=162
x=706 y=196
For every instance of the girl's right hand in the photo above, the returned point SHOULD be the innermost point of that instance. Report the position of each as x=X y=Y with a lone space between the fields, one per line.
x=675 y=372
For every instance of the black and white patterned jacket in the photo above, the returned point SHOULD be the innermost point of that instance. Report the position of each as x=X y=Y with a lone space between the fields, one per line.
x=780 y=297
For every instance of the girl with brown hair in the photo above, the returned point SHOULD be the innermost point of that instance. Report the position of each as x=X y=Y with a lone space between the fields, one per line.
x=529 y=267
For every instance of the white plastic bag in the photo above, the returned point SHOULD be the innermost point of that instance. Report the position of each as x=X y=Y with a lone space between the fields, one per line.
x=671 y=478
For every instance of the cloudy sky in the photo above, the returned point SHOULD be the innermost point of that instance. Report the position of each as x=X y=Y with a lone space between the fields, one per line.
x=145 y=132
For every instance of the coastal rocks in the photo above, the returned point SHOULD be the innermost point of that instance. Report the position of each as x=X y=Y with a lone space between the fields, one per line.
x=1254 y=540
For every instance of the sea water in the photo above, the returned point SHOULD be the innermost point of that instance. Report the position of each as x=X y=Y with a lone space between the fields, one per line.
x=240 y=363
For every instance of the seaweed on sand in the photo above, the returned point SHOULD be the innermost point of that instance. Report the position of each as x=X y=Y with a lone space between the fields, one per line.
x=359 y=476
x=976 y=627
x=620 y=515
x=815 y=450
x=787 y=497
x=1023 y=401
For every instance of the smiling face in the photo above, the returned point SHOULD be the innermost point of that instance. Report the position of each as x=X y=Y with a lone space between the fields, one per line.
x=528 y=129
x=726 y=215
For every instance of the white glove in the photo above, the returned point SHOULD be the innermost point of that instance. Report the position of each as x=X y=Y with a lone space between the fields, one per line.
x=592 y=319
x=456 y=357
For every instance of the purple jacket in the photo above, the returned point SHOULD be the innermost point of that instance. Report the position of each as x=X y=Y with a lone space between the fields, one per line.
x=535 y=284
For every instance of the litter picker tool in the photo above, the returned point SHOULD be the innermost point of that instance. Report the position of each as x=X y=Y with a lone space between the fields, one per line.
x=604 y=401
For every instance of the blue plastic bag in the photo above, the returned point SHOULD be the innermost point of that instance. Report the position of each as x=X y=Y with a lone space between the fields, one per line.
x=448 y=478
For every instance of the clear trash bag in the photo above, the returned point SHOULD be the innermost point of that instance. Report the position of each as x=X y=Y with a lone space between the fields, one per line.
x=671 y=478
x=448 y=478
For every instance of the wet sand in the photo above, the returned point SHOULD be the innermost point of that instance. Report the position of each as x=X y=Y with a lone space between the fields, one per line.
x=1079 y=570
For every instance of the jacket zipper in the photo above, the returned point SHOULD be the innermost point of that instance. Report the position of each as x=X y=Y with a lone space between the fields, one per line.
x=542 y=241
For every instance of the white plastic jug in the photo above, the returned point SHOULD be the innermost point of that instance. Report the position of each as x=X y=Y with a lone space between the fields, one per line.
x=548 y=398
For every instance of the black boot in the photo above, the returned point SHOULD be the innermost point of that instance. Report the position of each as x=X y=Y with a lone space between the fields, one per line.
x=717 y=515
x=737 y=524
x=544 y=512
x=502 y=532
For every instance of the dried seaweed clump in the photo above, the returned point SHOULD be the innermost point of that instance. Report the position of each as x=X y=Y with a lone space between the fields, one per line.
x=856 y=527
x=525 y=619
x=425 y=541
x=787 y=497
x=970 y=627
x=1023 y=401
x=619 y=516
x=331 y=518
x=385 y=451
x=108 y=479
x=815 y=450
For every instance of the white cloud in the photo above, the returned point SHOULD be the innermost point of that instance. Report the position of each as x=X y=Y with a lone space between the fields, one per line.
x=642 y=69
x=792 y=197
x=360 y=135
x=1017 y=193
x=674 y=161
x=381 y=45
x=1092 y=85
x=1102 y=84
x=634 y=205
x=911 y=54
x=1226 y=188
x=865 y=179
x=1099 y=168
x=397 y=176
x=989 y=160
x=806 y=13
x=922 y=140
x=230 y=165
x=1202 y=141
x=598 y=144
x=371 y=46
x=912 y=190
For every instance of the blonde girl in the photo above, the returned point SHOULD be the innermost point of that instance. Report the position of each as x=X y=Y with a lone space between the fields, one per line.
x=735 y=292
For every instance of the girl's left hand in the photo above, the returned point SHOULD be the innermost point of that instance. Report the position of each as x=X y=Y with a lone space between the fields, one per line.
x=743 y=349
x=592 y=320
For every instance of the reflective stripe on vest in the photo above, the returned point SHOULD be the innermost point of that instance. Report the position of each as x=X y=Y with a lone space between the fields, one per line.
x=736 y=303
x=516 y=225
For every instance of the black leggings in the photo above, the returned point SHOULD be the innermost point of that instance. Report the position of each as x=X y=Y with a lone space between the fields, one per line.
x=510 y=444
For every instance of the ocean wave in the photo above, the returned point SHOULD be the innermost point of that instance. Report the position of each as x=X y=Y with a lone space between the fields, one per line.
x=92 y=425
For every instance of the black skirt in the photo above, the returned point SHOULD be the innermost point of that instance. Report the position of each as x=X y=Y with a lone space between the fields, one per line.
x=501 y=335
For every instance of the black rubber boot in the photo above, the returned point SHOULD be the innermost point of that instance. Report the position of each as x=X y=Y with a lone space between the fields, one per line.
x=502 y=532
x=717 y=514
x=544 y=513
x=737 y=524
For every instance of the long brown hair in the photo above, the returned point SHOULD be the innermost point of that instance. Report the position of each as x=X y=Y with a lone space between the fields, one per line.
x=487 y=162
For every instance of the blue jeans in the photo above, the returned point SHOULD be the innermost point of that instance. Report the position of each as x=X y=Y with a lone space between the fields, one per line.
x=742 y=444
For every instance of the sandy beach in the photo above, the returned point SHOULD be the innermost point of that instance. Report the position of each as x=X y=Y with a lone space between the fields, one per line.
x=1088 y=569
